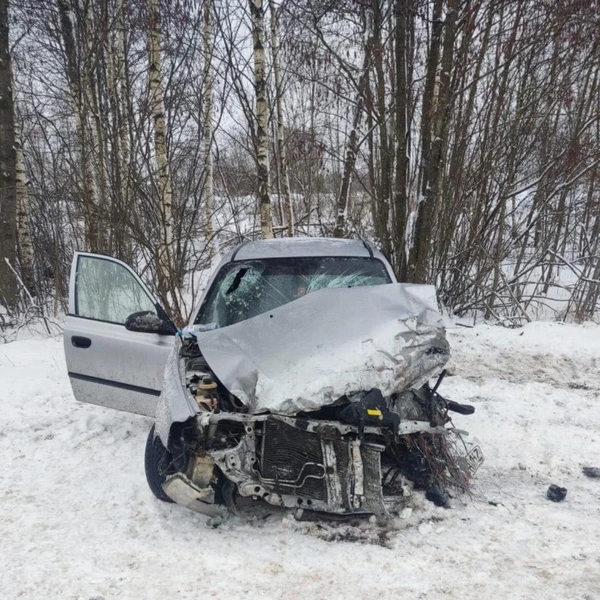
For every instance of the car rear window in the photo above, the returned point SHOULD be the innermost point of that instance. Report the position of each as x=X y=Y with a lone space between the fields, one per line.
x=245 y=289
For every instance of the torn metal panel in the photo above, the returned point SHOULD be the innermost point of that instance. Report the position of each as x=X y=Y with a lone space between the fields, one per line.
x=175 y=403
x=183 y=491
x=328 y=344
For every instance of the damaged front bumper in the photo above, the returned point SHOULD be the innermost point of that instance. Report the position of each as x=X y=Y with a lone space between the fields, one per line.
x=332 y=416
x=324 y=466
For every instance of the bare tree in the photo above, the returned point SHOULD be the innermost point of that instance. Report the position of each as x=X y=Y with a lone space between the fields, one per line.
x=437 y=100
x=351 y=150
x=80 y=103
x=8 y=197
x=403 y=38
x=257 y=14
x=23 y=208
x=208 y=126
x=164 y=259
x=281 y=150
x=461 y=136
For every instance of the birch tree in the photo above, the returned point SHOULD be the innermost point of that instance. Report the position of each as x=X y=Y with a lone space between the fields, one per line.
x=79 y=100
x=281 y=151
x=122 y=91
x=209 y=187
x=164 y=256
x=257 y=14
x=23 y=207
x=351 y=148
x=94 y=56
x=119 y=135
x=435 y=120
x=8 y=200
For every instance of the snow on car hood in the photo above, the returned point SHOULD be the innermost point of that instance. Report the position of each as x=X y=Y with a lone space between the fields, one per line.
x=333 y=342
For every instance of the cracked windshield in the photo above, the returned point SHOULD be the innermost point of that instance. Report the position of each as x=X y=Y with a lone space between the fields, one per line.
x=250 y=288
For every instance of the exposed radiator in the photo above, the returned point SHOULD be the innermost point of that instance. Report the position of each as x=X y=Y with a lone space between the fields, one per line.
x=292 y=461
x=335 y=474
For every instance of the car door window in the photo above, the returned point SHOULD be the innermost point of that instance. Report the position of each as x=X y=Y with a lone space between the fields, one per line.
x=108 y=291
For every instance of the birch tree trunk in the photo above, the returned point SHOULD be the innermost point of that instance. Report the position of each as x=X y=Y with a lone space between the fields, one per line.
x=91 y=99
x=208 y=130
x=351 y=149
x=117 y=213
x=23 y=234
x=80 y=109
x=8 y=200
x=122 y=115
x=122 y=89
x=382 y=188
x=436 y=107
x=165 y=249
x=282 y=159
x=403 y=29
x=257 y=13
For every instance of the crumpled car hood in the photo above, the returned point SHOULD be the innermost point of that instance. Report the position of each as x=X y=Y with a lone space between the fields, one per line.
x=331 y=343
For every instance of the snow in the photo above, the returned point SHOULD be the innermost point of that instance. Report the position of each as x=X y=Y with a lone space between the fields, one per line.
x=77 y=520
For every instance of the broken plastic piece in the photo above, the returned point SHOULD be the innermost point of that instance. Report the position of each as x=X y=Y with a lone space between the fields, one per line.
x=438 y=497
x=461 y=409
x=371 y=410
x=556 y=493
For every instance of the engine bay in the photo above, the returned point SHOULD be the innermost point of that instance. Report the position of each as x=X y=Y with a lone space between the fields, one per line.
x=355 y=456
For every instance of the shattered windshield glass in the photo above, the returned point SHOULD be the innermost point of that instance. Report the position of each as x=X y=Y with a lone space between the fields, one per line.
x=245 y=289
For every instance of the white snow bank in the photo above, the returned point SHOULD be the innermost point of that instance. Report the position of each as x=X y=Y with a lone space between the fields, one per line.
x=77 y=520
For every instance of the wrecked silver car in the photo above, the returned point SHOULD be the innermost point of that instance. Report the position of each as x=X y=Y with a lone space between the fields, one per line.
x=301 y=381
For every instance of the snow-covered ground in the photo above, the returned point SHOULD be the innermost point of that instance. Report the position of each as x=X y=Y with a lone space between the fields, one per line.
x=77 y=520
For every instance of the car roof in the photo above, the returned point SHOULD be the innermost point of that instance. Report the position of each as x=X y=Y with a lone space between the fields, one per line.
x=301 y=247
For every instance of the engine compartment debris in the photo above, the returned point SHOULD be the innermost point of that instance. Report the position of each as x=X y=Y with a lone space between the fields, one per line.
x=556 y=493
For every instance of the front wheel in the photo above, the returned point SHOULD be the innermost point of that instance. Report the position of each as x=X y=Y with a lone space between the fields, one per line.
x=157 y=460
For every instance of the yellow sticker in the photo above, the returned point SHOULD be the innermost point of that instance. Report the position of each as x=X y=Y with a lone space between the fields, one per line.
x=374 y=412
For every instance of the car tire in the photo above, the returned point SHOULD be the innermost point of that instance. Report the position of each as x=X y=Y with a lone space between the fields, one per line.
x=156 y=461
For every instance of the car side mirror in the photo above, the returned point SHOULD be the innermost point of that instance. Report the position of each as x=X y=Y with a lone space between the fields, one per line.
x=149 y=322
